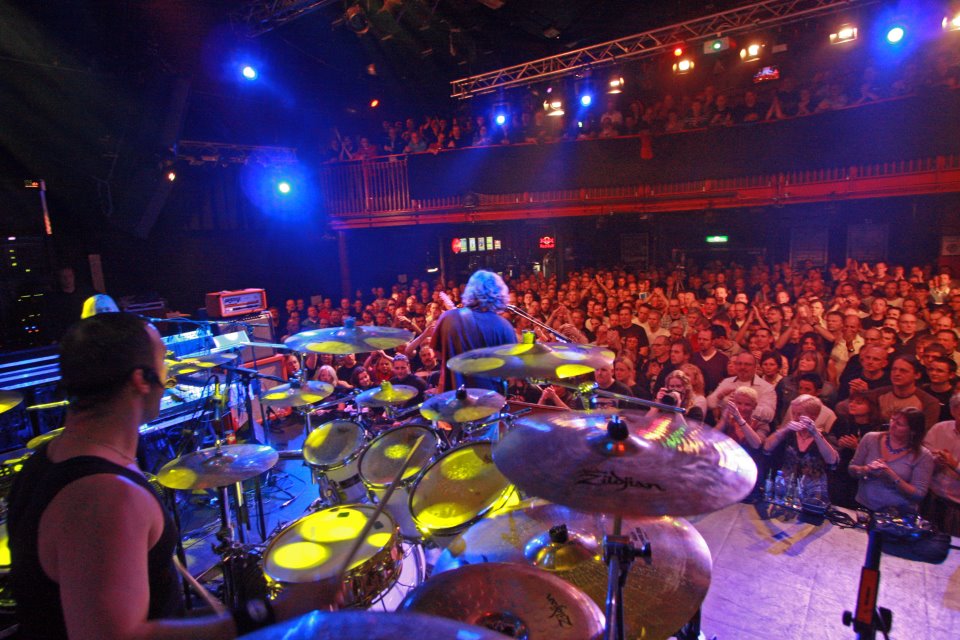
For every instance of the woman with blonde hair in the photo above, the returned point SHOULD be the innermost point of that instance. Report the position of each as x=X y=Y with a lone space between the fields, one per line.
x=697 y=384
x=677 y=384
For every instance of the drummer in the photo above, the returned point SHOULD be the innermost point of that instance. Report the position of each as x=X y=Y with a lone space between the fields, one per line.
x=91 y=543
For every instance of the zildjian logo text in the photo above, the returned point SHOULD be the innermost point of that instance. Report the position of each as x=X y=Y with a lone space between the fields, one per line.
x=597 y=478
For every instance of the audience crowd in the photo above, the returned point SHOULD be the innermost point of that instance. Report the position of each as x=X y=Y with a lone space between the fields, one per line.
x=798 y=364
x=657 y=113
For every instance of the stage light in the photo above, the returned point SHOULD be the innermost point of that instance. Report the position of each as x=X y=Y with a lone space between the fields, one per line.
x=554 y=107
x=682 y=66
x=374 y=103
x=717 y=45
x=283 y=187
x=751 y=52
x=586 y=100
x=846 y=33
x=500 y=119
x=895 y=34
x=951 y=24
x=171 y=175
x=616 y=84
x=678 y=52
x=248 y=72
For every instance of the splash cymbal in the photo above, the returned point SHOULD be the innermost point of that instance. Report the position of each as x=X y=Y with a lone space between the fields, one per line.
x=517 y=600
x=463 y=405
x=661 y=593
x=625 y=463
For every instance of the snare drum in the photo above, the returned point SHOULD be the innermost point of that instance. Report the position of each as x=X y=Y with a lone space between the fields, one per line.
x=382 y=460
x=333 y=449
x=314 y=548
x=458 y=489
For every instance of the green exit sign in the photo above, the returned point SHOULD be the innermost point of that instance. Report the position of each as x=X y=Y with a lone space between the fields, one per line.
x=717 y=239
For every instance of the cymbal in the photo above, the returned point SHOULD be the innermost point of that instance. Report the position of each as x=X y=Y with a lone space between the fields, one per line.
x=661 y=593
x=186 y=366
x=9 y=400
x=371 y=625
x=463 y=405
x=633 y=466
x=541 y=360
x=36 y=443
x=296 y=394
x=349 y=338
x=387 y=395
x=205 y=469
x=510 y=598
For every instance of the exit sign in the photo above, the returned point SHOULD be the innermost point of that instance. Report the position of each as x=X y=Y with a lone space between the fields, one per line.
x=717 y=239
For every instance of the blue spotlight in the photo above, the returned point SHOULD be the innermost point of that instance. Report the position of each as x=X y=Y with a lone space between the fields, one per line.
x=895 y=34
x=248 y=72
x=284 y=187
x=500 y=119
x=586 y=100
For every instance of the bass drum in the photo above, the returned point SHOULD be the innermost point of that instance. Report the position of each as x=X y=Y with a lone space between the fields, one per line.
x=382 y=460
x=332 y=450
x=458 y=489
x=314 y=548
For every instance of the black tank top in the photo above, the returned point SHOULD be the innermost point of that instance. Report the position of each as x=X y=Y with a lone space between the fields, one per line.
x=39 y=609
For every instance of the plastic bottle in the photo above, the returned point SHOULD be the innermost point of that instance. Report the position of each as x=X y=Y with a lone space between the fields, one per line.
x=768 y=486
x=779 y=488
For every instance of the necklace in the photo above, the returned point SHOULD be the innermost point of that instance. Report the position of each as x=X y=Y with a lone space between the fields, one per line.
x=80 y=436
x=891 y=449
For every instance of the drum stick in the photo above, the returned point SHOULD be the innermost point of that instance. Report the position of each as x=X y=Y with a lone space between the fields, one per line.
x=217 y=606
x=378 y=511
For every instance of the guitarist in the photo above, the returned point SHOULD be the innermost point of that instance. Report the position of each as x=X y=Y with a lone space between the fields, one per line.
x=476 y=325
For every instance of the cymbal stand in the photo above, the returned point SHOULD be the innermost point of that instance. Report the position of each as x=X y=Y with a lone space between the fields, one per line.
x=619 y=553
x=591 y=389
x=867 y=618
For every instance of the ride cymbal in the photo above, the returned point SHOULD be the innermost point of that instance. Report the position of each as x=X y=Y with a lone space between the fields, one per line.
x=661 y=593
x=625 y=463
x=349 y=338
x=539 y=360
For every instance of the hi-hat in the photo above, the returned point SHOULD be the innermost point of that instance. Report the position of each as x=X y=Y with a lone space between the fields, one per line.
x=463 y=405
x=195 y=364
x=539 y=360
x=371 y=625
x=296 y=394
x=209 y=468
x=9 y=400
x=349 y=338
x=625 y=463
x=517 y=600
x=661 y=593
x=387 y=395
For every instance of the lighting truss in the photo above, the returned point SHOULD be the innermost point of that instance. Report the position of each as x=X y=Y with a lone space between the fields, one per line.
x=750 y=17
x=261 y=16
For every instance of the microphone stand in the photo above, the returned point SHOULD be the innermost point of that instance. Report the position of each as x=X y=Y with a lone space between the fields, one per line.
x=523 y=314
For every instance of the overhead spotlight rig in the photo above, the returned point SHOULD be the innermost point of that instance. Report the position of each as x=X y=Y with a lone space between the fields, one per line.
x=760 y=15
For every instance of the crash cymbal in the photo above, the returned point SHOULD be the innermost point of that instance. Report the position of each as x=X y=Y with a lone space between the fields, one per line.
x=625 y=463
x=371 y=625
x=296 y=394
x=36 y=443
x=540 y=360
x=517 y=600
x=661 y=593
x=387 y=395
x=348 y=339
x=195 y=364
x=9 y=400
x=463 y=405
x=209 y=468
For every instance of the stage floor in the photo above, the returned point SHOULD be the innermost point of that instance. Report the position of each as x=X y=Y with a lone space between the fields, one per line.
x=772 y=578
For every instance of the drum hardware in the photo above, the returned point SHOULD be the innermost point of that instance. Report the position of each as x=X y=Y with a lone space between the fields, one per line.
x=588 y=392
x=537 y=323
x=364 y=625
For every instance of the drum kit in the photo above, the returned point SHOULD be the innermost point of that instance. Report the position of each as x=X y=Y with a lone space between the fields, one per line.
x=559 y=525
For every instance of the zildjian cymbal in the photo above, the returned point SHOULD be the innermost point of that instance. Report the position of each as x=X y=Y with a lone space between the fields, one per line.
x=296 y=394
x=213 y=467
x=386 y=395
x=539 y=360
x=661 y=593
x=625 y=463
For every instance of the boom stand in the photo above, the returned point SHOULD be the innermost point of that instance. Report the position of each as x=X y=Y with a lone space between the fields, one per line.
x=867 y=618
x=619 y=553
